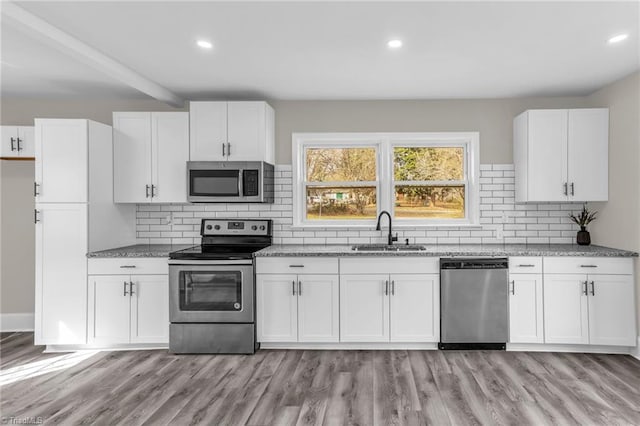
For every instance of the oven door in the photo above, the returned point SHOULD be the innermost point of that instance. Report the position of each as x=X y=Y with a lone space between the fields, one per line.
x=201 y=292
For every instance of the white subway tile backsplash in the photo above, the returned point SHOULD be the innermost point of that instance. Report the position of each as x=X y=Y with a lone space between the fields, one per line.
x=522 y=223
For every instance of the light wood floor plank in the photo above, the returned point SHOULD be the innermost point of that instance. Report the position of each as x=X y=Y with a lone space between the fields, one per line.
x=279 y=387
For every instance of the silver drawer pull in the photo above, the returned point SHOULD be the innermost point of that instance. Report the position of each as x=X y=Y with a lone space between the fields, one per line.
x=296 y=266
x=127 y=266
x=588 y=266
x=526 y=266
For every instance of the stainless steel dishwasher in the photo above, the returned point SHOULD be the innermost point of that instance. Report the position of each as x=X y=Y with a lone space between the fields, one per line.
x=474 y=303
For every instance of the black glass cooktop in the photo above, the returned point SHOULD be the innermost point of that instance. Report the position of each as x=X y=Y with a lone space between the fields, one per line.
x=217 y=252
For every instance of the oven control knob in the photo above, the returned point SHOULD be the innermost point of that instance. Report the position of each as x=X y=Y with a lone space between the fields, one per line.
x=253 y=228
x=217 y=227
x=262 y=227
x=209 y=227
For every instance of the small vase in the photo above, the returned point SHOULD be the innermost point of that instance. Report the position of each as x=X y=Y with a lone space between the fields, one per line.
x=583 y=238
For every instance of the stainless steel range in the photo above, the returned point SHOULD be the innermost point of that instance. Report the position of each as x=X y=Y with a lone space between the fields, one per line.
x=212 y=288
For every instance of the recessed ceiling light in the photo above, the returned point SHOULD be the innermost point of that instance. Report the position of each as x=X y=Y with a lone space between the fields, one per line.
x=204 y=44
x=394 y=44
x=618 y=38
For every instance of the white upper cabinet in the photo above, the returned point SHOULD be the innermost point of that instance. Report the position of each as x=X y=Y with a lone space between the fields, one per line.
x=17 y=141
x=61 y=170
x=561 y=155
x=151 y=150
x=237 y=131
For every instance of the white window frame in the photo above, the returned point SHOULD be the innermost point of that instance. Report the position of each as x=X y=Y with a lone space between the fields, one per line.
x=384 y=144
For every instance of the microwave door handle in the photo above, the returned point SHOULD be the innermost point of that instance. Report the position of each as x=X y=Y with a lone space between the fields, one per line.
x=240 y=174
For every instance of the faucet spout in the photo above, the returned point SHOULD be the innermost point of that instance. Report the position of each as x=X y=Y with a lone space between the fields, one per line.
x=390 y=238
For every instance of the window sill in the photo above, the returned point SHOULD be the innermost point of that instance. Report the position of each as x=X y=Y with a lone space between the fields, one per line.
x=385 y=226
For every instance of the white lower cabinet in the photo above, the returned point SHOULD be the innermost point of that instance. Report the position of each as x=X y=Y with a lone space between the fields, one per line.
x=297 y=308
x=594 y=308
x=525 y=308
x=127 y=309
x=389 y=308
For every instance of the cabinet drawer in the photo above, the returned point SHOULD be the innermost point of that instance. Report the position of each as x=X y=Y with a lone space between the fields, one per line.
x=390 y=265
x=129 y=266
x=525 y=265
x=588 y=265
x=297 y=265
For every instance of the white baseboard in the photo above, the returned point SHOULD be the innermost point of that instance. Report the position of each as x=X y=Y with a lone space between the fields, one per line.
x=16 y=322
x=635 y=352
x=350 y=346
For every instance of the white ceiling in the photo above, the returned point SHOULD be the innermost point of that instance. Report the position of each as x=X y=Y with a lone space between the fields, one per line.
x=327 y=50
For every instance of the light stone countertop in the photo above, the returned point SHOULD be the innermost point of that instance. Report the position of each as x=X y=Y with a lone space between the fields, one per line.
x=139 y=250
x=451 y=250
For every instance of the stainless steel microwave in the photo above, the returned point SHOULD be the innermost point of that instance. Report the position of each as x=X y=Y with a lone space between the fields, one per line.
x=229 y=182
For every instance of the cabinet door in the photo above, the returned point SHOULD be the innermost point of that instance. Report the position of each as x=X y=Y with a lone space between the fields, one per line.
x=61 y=274
x=364 y=308
x=547 y=155
x=277 y=308
x=109 y=312
x=132 y=157
x=170 y=153
x=8 y=141
x=26 y=134
x=150 y=309
x=246 y=130
x=208 y=131
x=588 y=154
x=413 y=313
x=611 y=310
x=61 y=161
x=525 y=308
x=318 y=308
x=565 y=309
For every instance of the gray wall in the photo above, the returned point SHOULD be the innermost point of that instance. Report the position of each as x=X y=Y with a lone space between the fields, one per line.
x=17 y=260
x=617 y=226
x=618 y=223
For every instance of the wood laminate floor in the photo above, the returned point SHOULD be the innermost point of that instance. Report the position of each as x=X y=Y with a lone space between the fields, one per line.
x=317 y=387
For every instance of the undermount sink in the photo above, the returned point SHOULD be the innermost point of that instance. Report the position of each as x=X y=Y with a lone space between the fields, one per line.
x=386 y=247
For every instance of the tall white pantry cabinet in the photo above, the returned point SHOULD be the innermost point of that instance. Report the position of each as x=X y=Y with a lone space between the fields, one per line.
x=74 y=214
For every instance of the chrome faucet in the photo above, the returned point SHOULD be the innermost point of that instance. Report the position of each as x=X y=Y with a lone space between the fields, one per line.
x=391 y=238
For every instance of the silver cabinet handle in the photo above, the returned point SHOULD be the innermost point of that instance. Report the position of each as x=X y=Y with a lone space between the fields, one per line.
x=153 y=191
x=299 y=288
x=131 y=288
x=127 y=266
x=393 y=287
x=224 y=154
x=593 y=288
x=572 y=187
x=565 y=188
x=584 y=288
x=513 y=287
x=526 y=266
x=12 y=147
x=588 y=266
x=18 y=140
x=228 y=149
x=296 y=266
x=386 y=288
x=124 y=287
x=35 y=216
x=147 y=191
x=36 y=185
x=293 y=287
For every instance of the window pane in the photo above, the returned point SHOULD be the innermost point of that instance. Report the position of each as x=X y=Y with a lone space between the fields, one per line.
x=341 y=203
x=432 y=202
x=419 y=163
x=341 y=164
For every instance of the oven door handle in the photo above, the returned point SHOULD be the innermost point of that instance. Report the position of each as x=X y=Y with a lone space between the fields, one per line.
x=205 y=262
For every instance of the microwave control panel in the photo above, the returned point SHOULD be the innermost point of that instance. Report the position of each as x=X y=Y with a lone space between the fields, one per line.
x=250 y=183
